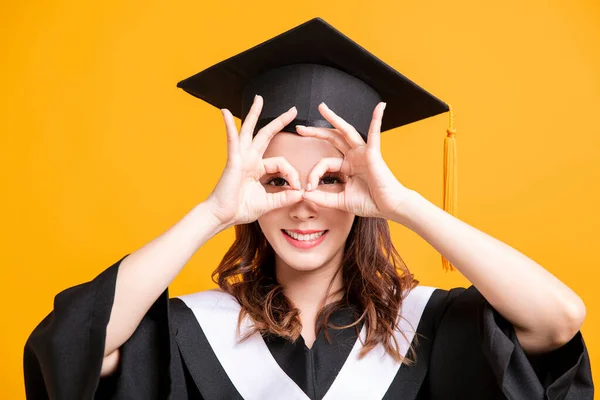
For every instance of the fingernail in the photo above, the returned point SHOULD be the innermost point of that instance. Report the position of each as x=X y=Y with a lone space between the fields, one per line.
x=308 y=187
x=300 y=126
x=291 y=109
x=299 y=183
x=324 y=104
x=384 y=106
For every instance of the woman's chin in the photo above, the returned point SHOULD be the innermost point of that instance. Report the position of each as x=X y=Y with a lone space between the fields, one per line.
x=305 y=267
x=304 y=262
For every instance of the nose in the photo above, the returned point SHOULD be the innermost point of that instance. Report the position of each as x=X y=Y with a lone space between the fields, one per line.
x=304 y=210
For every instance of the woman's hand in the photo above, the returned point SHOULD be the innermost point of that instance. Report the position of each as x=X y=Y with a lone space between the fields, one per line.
x=371 y=190
x=239 y=197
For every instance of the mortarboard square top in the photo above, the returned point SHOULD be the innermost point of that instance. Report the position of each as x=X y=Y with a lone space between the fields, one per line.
x=306 y=65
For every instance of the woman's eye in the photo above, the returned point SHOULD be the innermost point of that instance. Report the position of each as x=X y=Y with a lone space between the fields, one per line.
x=330 y=180
x=277 y=182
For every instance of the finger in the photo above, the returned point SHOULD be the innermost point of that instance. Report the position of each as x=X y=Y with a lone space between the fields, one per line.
x=274 y=165
x=233 y=140
x=249 y=124
x=347 y=130
x=263 y=137
x=326 y=199
x=331 y=135
x=283 y=199
x=330 y=164
x=373 y=137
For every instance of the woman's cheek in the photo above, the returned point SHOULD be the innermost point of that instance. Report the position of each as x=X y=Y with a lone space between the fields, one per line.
x=346 y=220
x=267 y=224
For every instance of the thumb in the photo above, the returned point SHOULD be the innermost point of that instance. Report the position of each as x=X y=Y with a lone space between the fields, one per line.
x=326 y=199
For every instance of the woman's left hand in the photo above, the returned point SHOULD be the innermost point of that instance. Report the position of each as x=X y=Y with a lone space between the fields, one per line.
x=371 y=189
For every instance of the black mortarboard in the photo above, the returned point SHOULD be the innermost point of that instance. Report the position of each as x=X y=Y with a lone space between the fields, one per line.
x=313 y=63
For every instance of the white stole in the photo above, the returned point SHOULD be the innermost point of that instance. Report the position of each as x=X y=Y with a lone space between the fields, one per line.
x=255 y=373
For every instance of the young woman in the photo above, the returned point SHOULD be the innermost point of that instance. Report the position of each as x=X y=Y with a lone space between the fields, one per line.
x=314 y=300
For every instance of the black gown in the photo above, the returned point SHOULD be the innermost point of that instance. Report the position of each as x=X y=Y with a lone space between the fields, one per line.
x=184 y=349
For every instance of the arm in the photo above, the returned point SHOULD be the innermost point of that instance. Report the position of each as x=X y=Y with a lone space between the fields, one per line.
x=147 y=272
x=544 y=312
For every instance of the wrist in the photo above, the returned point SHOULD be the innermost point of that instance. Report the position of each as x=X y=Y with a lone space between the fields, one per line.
x=407 y=206
x=208 y=212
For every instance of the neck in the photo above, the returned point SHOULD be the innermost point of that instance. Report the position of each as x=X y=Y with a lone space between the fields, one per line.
x=308 y=290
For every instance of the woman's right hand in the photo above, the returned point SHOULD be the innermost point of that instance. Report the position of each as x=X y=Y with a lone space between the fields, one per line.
x=239 y=197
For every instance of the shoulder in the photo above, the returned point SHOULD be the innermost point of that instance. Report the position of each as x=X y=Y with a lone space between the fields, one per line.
x=422 y=309
x=437 y=302
x=193 y=311
x=442 y=297
x=207 y=299
x=433 y=296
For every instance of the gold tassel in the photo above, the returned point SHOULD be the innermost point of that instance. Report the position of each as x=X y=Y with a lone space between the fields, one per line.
x=450 y=177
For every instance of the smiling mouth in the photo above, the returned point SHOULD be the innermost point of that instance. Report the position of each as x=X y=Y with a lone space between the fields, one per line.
x=307 y=237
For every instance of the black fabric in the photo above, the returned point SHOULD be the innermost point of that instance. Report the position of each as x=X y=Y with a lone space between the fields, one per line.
x=154 y=382
x=410 y=377
x=63 y=355
x=465 y=350
x=199 y=359
x=308 y=64
x=314 y=369
x=305 y=86
x=474 y=344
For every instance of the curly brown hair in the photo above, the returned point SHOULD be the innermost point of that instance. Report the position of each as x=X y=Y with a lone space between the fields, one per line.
x=375 y=282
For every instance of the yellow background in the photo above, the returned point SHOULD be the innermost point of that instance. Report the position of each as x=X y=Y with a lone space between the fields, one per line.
x=100 y=152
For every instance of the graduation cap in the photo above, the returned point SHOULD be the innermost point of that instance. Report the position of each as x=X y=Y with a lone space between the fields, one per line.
x=313 y=63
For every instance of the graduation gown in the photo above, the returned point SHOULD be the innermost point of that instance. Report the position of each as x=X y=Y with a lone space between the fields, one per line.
x=186 y=348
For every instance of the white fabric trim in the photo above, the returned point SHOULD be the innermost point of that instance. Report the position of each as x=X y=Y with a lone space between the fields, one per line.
x=249 y=365
x=255 y=373
x=371 y=377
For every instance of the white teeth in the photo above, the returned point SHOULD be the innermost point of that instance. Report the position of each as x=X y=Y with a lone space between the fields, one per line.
x=304 y=238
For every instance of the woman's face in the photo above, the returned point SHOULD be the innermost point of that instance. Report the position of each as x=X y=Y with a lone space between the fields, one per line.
x=304 y=236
